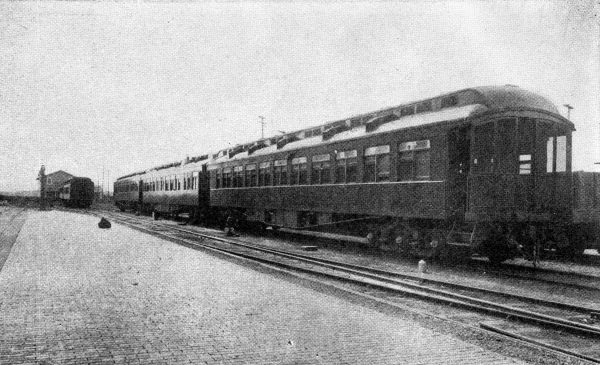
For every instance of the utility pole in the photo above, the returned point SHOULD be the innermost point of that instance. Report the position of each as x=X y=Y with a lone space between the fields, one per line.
x=262 y=126
x=42 y=179
x=102 y=191
x=569 y=107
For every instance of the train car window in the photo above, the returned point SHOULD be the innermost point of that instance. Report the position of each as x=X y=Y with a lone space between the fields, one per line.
x=524 y=164
x=346 y=167
x=218 y=178
x=264 y=174
x=303 y=177
x=414 y=160
x=280 y=172
x=370 y=169
x=321 y=169
x=506 y=146
x=227 y=177
x=351 y=170
x=298 y=174
x=383 y=167
x=251 y=175
x=377 y=164
x=483 y=149
x=238 y=176
x=268 y=177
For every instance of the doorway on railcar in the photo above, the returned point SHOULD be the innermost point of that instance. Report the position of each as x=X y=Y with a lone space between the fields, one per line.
x=459 y=150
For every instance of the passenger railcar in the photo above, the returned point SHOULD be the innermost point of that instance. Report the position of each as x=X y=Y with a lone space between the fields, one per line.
x=176 y=188
x=77 y=192
x=126 y=192
x=487 y=169
x=168 y=190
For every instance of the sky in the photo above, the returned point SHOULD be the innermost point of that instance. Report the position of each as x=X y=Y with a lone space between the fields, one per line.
x=109 y=88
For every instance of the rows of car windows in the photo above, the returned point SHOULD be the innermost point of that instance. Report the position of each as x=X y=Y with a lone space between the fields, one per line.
x=124 y=187
x=413 y=162
x=188 y=181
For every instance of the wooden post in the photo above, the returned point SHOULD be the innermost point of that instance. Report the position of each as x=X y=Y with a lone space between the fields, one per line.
x=42 y=179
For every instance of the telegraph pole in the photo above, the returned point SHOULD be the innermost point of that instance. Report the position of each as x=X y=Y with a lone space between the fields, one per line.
x=262 y=126
x=102 y=191
x=42 y=179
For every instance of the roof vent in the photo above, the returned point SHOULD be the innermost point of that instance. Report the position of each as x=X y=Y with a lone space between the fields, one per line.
x=335 y=129
x=374 y=123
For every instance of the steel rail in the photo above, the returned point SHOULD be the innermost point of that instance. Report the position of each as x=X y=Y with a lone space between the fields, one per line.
x=432 y=293
x=386 y=284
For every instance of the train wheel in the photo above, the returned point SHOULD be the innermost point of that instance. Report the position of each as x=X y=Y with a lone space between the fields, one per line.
x=438 y=243
x=372 y=238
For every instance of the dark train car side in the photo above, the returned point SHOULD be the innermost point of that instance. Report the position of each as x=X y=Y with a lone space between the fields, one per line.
x=485 y=168
x=77 y=192
x=126 y=192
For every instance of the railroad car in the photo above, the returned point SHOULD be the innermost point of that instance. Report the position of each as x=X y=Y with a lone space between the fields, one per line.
x=176 y=188
x=126 y=192
x=486 y=169
x=167 y=190
x=77 y=192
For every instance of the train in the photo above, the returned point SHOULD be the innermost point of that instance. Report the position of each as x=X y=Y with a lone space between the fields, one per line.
x=486 y=170
x=77 y=192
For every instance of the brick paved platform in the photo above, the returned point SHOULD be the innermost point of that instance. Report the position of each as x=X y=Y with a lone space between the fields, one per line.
x=71 y=293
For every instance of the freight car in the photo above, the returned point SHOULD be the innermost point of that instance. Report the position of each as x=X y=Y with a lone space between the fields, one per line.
x=486 y=169
x=77 y=192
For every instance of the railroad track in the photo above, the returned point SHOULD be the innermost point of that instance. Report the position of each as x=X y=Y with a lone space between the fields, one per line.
x=544 y=275
x=570 y=329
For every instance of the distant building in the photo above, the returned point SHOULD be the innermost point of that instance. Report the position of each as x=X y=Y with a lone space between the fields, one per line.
x=54 y=181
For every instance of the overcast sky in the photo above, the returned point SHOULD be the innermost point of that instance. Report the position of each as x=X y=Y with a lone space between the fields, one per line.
x=127 y=86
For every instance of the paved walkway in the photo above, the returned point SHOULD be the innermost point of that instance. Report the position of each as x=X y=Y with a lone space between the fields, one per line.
x=71 y=293
x=11 y=221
